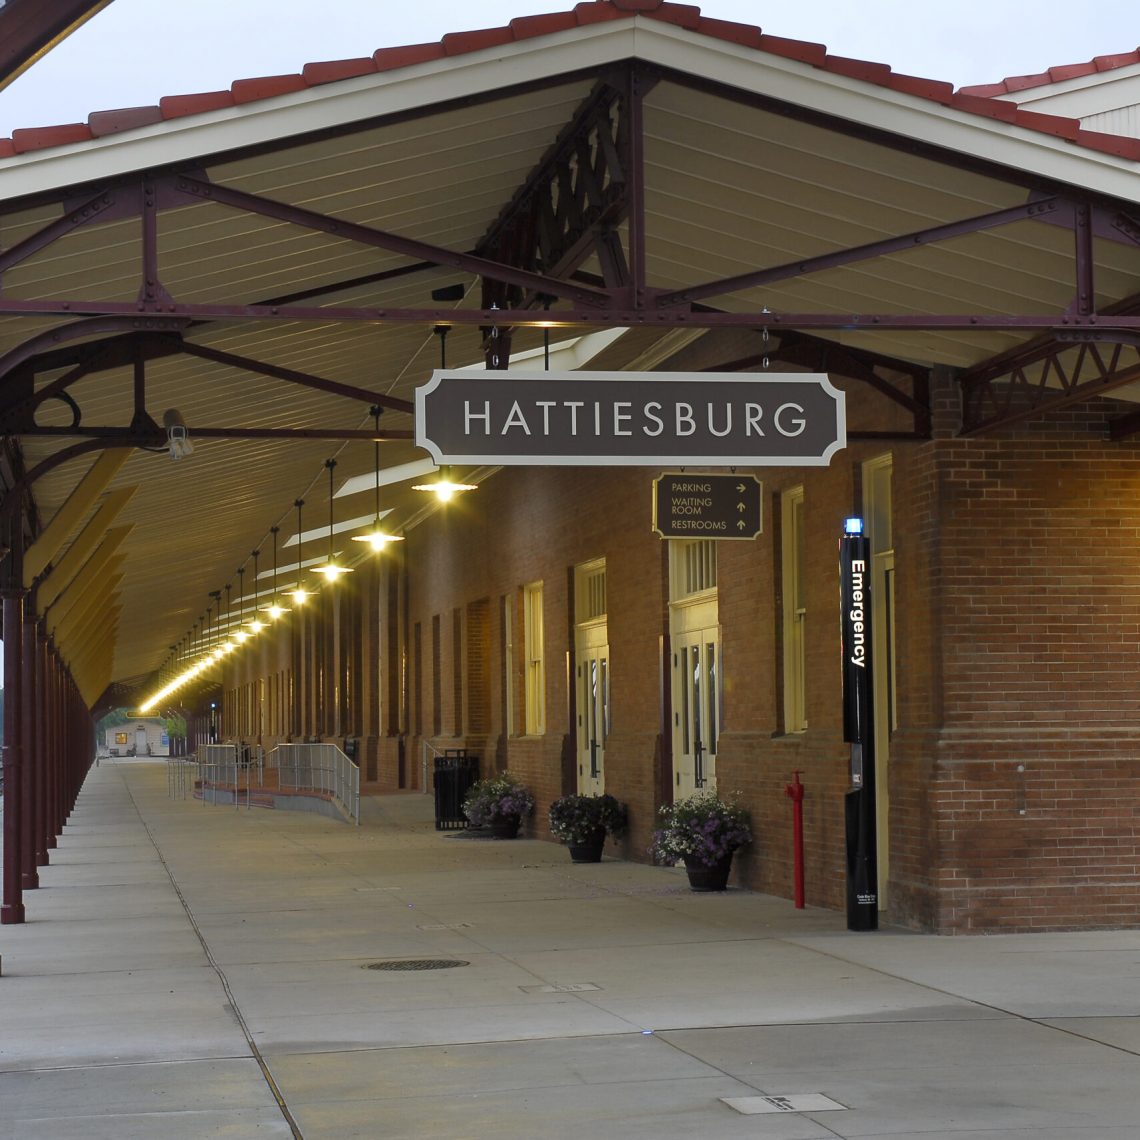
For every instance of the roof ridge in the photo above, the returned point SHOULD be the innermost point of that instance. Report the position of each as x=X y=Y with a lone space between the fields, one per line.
x=976 y=100
x=1015 y=83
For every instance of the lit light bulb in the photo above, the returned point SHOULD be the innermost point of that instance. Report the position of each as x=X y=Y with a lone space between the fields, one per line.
x=377 y=539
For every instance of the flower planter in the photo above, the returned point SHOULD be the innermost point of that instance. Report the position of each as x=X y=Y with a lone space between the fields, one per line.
x=505 y=827
x=703 y=877
x=590 y=849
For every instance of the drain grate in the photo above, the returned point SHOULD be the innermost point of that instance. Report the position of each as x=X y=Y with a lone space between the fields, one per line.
x=416 y=964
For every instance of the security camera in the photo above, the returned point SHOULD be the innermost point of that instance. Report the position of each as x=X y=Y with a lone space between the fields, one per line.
x=177 y=434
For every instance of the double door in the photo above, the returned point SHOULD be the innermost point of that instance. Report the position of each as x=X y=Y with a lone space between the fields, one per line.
x=593 y=709
x=696 y=708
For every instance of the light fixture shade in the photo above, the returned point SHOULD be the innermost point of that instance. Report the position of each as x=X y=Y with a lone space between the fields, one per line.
x=377 y=539
x=443 y=486
x=331 y=571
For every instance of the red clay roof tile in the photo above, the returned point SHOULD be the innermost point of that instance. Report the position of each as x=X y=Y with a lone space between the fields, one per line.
x=1070 y=71
x=39 y=138
x=805 y=52
x=112 y=122
x=266 y=87
x=1050 y=124
x=390 y=59
x=1120 y=145
x=858 y=69
x=924 y=88
x=524 y=27
x=314 y=74
x=993 y=108
x=975 y=100
x=747 y=35
x=1112 y=62
x=460 y=43
x=175 y=106
x=1014 y=83
x=593 y=13
x=683 y=15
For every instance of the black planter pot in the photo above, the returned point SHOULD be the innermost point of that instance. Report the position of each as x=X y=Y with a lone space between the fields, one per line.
x=590 y=849
x=708 y=878
x=505 y=827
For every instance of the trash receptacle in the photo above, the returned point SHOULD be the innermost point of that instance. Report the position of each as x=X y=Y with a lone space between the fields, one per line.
x=455 y=771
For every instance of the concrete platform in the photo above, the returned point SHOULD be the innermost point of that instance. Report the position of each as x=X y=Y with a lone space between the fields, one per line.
x=192 y=970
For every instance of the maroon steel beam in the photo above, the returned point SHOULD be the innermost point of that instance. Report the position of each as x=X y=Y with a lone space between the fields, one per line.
x=151 y=290
x=61 y=227
x=129 y=436
x=12 y=908
x=559 y=242
x=80 y=330
x=1085 y=299
x=582 y=318
x=904 y=242
x=633 y=137
x=1044 y=381
x=197 y=189
x=292 y=376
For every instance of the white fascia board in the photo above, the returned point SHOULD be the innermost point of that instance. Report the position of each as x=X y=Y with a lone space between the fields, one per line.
x=895 y=112
x=418 y=87
x=475 y=73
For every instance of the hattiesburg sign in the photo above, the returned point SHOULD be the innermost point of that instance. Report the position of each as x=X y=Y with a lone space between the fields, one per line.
x=631 y=418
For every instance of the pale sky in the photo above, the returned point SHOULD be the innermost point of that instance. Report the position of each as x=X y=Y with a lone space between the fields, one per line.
x=136 y=51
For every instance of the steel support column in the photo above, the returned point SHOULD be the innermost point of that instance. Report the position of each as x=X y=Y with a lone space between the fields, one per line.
x=42 y=752
x=12 y=909
x=26 y=805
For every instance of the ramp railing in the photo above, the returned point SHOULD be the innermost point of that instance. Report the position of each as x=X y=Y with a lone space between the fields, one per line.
x=320 y=768
x=230 y=769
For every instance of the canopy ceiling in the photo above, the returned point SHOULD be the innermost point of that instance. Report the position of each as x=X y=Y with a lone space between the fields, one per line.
x=268 y=266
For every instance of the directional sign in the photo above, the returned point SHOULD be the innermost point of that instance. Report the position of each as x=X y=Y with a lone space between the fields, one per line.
x=652 y=419
x=707 y=506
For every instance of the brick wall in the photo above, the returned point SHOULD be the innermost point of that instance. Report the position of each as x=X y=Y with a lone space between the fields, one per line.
x=1011 y=782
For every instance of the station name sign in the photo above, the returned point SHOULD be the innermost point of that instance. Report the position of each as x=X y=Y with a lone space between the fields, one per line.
x=631 y=418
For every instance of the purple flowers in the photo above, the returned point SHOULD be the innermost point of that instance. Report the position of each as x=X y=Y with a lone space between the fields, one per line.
x=574 y=818
x=496 y=797
x=703 y=827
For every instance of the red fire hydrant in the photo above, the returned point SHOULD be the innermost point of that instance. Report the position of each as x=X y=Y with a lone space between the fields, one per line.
x=795 y=792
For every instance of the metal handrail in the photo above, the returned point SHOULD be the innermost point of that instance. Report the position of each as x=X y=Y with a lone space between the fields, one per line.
x=180 y=774
x=321 y=768
x=230 y=767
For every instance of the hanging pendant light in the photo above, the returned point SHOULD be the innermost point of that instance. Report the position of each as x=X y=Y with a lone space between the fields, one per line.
x=331 y=570
x=443 y=486
x=213 y=651
x=227 y=645
x=299 y=594
x=275 y=609
x=377 y=537
x=240 y=635
x=256 y=625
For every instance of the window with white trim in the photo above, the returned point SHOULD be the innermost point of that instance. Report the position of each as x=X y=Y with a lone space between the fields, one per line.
x=535 y=692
